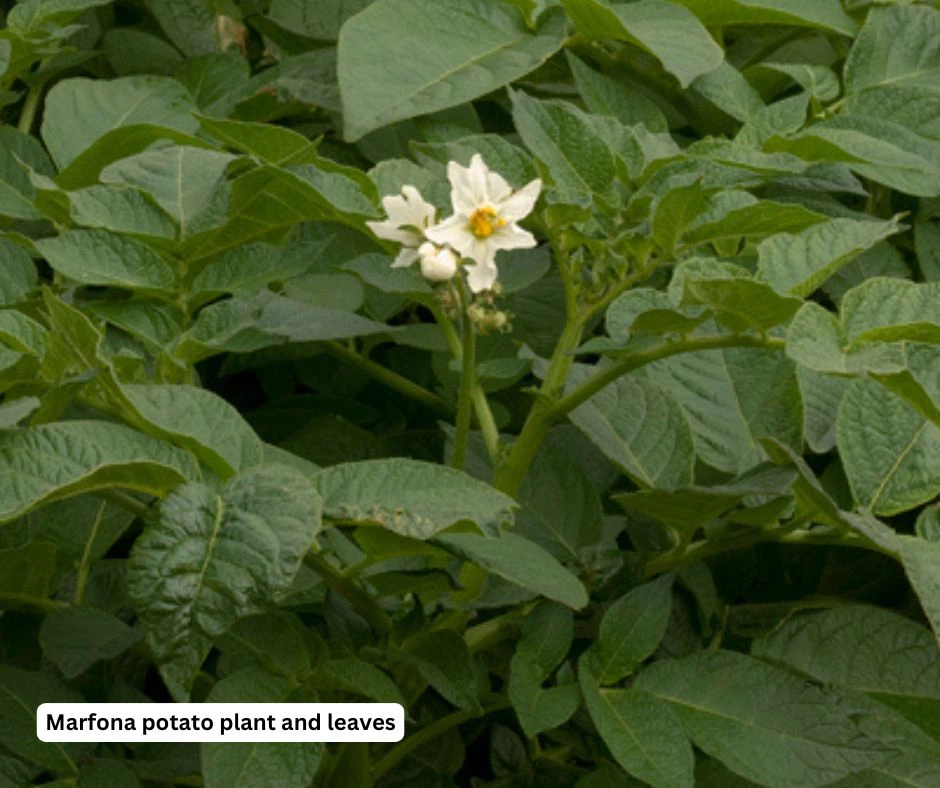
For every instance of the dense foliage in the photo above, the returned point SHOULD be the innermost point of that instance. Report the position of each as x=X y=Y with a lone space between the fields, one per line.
x=657 y=507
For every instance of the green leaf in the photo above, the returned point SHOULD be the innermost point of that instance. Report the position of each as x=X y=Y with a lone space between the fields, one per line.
x=547 y=633
x=127 y=211
x=884 y=309
x=820 y=14
x=605 y=95
x=208 y=559
x=821 y=395
x=561 y=510
x=20 y=155
x=17 y=273
x=400 y=58
x=265 y=202
x=640 y=427
x=180 y=178
x=668 y=32
x=409 y=497
x=895 y=46
x=75 y=638
x=322 y=22
x=891 y=453
x=869 y=649
x=798 y=264
x=884 y=151
x=752 y=220
x=563 y=137
x=921 y=559
x=641 y=732
x=508 y=159
x=521 y=562
x=197 y=420
x=196 y=27
x=12 y=412
x=250 y=764
x=275 y=641
x=730 y=399
x=631 y=630
x=249 y=268
x=356 y=676
x=42 y=464
x=762 y=722
x=444 y=661
x=79 y=111
x=816 y=501
x=240 y=325
x=27 y=572
x=99 y=257
x=686 y=509
x=21 y=693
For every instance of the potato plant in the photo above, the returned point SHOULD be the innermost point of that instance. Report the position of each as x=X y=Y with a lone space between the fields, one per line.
x=566 y=371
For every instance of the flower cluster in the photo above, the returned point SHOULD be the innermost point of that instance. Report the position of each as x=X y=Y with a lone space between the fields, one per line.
x=485 y=221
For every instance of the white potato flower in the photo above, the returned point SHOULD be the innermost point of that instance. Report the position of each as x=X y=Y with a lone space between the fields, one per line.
x=486 y=211
x=409 y=216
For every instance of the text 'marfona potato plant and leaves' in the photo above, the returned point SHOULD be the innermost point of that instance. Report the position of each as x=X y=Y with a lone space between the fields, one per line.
x=566 y=371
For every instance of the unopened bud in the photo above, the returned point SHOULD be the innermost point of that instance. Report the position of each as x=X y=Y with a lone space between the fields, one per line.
x=438 y=264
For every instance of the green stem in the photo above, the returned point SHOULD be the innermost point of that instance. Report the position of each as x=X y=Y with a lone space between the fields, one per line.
x=359 y=598
x=699 y=551
x=467 y=381
x=495 y=630
x=641 y=358
x=481 y=406
x=125 y=501
x=391 y=379
x=30 y=106
x=427 y=734
x=40 y=604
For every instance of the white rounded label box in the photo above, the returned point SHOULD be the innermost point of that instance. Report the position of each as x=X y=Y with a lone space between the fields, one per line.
x=220 y=722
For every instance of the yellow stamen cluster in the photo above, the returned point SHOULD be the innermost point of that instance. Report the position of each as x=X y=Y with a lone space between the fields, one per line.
x=483 y=221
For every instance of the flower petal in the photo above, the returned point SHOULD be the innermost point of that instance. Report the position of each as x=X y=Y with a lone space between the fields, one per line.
x=481 y=277
x=388 y=231
x=408 y=209
x=512 y=237
x=520 y=204
x=406 y=257
x=497 y=189
x=454 y=232
x=468 y=185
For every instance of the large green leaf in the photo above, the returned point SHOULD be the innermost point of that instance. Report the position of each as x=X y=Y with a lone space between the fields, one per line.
x=890 y=452
x=180 y=178
x=400 y=58
x=798 y=264
x=19 y=155
x=667 y=31
x=411 y=498
x=562 y=136
x=641 y=732
x=731 y=398
x=76 y=637
x=41 y=464
x=921 y=560
x=99 y=257
x=209 y=558
x=198 y=420
x=896 y=46
x=886 y=309
x=78 y=111
x=639 y=427
x=762 y=722
x=823 y=14
x=881 y=653
x=250 y=764
x=21 y=692
x=519 y=561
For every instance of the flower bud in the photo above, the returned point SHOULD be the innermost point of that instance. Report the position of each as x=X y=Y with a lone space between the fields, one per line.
x=438 y=264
